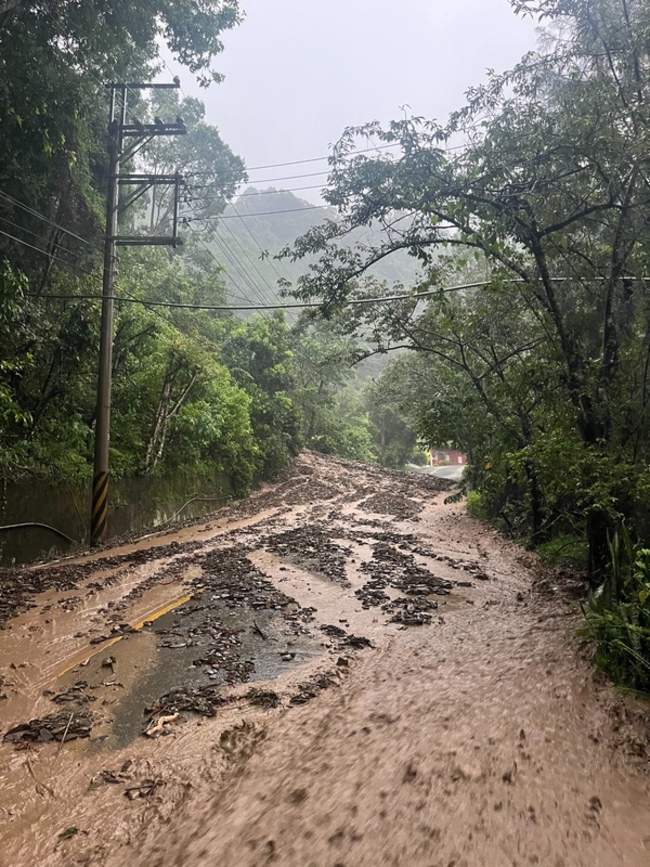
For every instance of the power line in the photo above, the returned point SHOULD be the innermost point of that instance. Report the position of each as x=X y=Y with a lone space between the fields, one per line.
x=221 y=243
x=238 y=264
x=245 y=252
x=41 y=238
x=243 y=295
x=259 y=181
x=270 y=242
x=320 y=159
x=276 y=192
x=297 y=306
x=255 y=241
x=265 y=213
x=250 y=260
x=49 y=255
x=315 y=159
x=203 y=201
x=40 y=216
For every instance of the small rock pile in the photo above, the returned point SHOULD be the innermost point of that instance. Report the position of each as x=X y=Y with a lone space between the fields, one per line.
x=401 y=508
x=391 y=567
x=51 y=728
x=310 y=689
x=311 y=548
x=204 y=700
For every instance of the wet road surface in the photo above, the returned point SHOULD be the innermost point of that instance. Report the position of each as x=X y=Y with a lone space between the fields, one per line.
x=342 y=670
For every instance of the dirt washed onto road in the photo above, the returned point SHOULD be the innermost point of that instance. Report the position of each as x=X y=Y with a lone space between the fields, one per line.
x=341 y=670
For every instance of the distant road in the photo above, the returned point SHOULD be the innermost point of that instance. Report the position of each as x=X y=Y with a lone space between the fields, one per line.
x=454 y=473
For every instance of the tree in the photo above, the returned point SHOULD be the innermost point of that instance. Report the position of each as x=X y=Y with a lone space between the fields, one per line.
x=393 y=402
x=259 y=356
x=551 y=193
x=211 y=171
x=54 y=61
x=323 y=366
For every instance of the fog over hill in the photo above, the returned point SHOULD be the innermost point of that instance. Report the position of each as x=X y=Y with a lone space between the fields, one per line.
x=260 y=223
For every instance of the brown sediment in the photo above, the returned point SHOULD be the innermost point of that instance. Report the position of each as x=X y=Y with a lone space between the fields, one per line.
x=475 y=735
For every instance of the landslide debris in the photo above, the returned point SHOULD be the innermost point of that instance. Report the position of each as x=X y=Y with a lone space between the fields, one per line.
x=51 y=728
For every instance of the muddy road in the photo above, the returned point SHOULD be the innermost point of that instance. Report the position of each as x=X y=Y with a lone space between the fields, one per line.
x=340 y=671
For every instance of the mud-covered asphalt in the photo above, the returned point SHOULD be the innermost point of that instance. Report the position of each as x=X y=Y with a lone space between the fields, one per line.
x=341 y=670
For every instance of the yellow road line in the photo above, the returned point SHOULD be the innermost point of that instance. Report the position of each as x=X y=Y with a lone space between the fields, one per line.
x=87 y=653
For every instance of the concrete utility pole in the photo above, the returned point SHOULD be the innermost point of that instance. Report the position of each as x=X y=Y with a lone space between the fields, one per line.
x=141 y=134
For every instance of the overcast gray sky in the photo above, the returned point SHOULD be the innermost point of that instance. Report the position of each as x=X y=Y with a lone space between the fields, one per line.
x=299 y=71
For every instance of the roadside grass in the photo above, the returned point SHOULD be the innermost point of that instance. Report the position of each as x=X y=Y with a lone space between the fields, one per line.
x=617 y=619
x=565 y=551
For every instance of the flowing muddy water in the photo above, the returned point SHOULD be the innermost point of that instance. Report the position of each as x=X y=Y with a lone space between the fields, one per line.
x=342 y=670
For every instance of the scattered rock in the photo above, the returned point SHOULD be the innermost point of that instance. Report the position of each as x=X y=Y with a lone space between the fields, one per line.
x=51 y=728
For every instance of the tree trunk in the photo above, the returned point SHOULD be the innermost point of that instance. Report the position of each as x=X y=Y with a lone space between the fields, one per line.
x=598 y=529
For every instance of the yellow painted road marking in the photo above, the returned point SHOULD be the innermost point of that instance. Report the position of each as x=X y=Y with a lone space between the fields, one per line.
x=87 y=653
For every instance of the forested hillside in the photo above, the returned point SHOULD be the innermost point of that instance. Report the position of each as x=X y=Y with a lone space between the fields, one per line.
x=192 y=388
x=259 y=224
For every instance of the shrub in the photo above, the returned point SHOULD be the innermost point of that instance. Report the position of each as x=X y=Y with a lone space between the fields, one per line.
x=618 y=619
x=476 y=504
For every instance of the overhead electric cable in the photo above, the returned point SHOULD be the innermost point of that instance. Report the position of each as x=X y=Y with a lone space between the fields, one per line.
x=49 y=255
x=298 y=305
x=299 y=162
x=257 y=244
x=230 y=258
x=269 y=241
x=258 y=180
x=246 y=255
x=319 y=159
x=42 y=238
x=265 y=213
x=231 y=261
x=53 y=223
x=283 y=190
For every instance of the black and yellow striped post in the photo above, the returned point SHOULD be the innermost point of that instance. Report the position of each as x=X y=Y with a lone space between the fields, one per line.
x=99 y=508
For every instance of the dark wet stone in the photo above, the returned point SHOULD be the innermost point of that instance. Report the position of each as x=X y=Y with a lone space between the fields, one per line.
x=51 y=728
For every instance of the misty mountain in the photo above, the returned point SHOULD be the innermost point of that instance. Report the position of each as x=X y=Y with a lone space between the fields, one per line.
x=259 y=224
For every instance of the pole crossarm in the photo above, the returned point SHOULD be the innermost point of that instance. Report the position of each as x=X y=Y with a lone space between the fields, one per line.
x=147 y=241
x=145 y=182
x=153 y=129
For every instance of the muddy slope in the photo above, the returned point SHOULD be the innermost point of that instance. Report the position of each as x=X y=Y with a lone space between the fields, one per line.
x=341 y=670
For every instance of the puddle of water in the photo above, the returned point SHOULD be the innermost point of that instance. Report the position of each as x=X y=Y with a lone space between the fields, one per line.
x=146 y=669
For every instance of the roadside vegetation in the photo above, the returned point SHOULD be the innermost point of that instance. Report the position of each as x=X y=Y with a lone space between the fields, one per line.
x=529 y=213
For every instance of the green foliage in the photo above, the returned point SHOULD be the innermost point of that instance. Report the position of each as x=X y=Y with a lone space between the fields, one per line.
x=345 y=429
x=618 y=619
x=258 y=353
x=476 y=504
x=332 y=406
x=565 y=551
x=390 y=405
x=174 y=402
x=540 y=371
